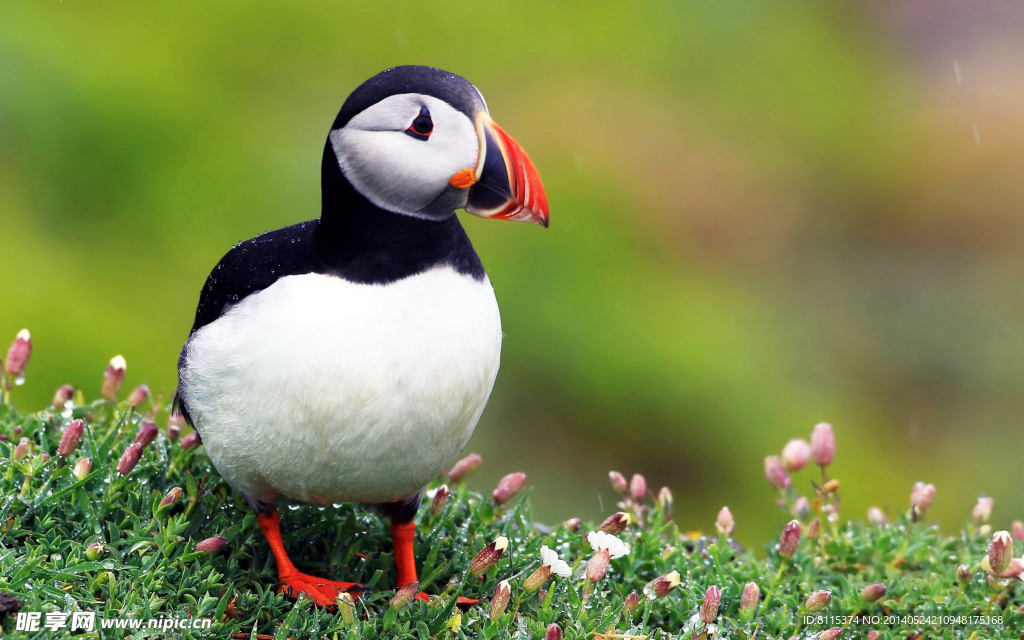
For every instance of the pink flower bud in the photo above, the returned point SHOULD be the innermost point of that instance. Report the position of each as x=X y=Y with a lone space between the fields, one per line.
x=63 y=395
x=82 y=468
x=662 y=585
x=138 y=396
x=615 y=523
x=725 y=523
x=638 y=487
x=174 y=425
x=439 y=500
x=618 y=482
x=876 y=516
x=873 y=592
x=665 y=502
x=750 y=596
x=23 y=448
x=16 y=431
x=72 y=436
x=823 y=444
x=463 y=468
x=963 y=574
x=488 y=556
x=831 y=634
x=983 y=509
x=43 y=457
x=597 y=566
x=113 y=377
x=499 y=601
x=790 y=539
x=537 y=579
x=818 y=600
x=18 y=354
x=508 y=487
x=709 y=607
x=632 y=603
x=1017 y=530
x=405 y=595
x=554 y=632
x=921 y=497
x=801 y=508
x=775 y=473
x=814 y=529
x=146 y=434
x=212 y=545
x=172 y=497
x=1000 y=551
x=795 y=454
x=573 y=524
x=874 y=634
x=191 y=440
x=129 y=458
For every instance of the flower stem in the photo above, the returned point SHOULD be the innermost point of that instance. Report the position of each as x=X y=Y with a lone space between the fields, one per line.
x=771 y=589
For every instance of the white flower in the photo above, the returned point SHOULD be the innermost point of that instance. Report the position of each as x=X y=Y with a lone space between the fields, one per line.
x=600 y=540
x=549 y=558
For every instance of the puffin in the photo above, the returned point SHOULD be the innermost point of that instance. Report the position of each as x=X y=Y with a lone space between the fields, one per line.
x=348 y=358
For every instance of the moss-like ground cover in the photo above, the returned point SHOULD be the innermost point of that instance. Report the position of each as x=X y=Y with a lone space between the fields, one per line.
x=100 y=541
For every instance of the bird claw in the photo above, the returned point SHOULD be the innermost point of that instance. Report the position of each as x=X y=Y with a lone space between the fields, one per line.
x=465 y=603
x=322 y=592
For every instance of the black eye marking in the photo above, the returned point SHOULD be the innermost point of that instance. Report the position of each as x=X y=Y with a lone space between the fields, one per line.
x=421 y=126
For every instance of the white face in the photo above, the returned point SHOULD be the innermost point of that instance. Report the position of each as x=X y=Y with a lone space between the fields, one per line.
x=407 y=173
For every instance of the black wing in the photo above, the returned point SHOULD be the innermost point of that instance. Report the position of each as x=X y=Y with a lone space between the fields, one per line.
x=247 y=268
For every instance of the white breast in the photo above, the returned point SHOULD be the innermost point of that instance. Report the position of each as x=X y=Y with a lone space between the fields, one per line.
x=328 y=391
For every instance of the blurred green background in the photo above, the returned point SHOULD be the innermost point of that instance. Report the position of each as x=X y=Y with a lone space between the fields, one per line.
x=762 y=216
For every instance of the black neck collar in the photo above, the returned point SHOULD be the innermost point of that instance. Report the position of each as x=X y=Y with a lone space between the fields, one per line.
x=387 y=246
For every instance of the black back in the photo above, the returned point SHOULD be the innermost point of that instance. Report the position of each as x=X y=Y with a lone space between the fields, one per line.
x=353 y=238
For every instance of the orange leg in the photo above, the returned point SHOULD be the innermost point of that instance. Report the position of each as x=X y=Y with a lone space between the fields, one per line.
x=402 y=534
x=293 y=582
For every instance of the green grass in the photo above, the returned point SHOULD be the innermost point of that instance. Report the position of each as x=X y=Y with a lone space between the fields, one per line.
x=149 y=566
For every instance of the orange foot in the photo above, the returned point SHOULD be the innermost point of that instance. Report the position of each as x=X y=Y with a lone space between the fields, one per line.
x=465 y=603
x=321 y=591
x=293 y=582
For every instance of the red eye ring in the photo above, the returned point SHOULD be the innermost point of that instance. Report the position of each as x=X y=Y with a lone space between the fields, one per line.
x=422 y=125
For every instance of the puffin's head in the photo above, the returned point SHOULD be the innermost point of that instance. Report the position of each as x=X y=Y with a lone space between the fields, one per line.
x=418 y=141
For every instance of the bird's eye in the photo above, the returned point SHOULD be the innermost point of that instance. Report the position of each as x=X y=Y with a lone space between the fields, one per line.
x=421 y=126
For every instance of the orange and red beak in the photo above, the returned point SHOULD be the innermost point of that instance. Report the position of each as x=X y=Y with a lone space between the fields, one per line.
x=505 y=184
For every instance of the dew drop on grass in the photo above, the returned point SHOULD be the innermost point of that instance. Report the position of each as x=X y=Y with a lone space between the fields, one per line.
x=293 y=507
x=109 y=566
x=336 y=505
x=67 y=413
x=20 y=380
